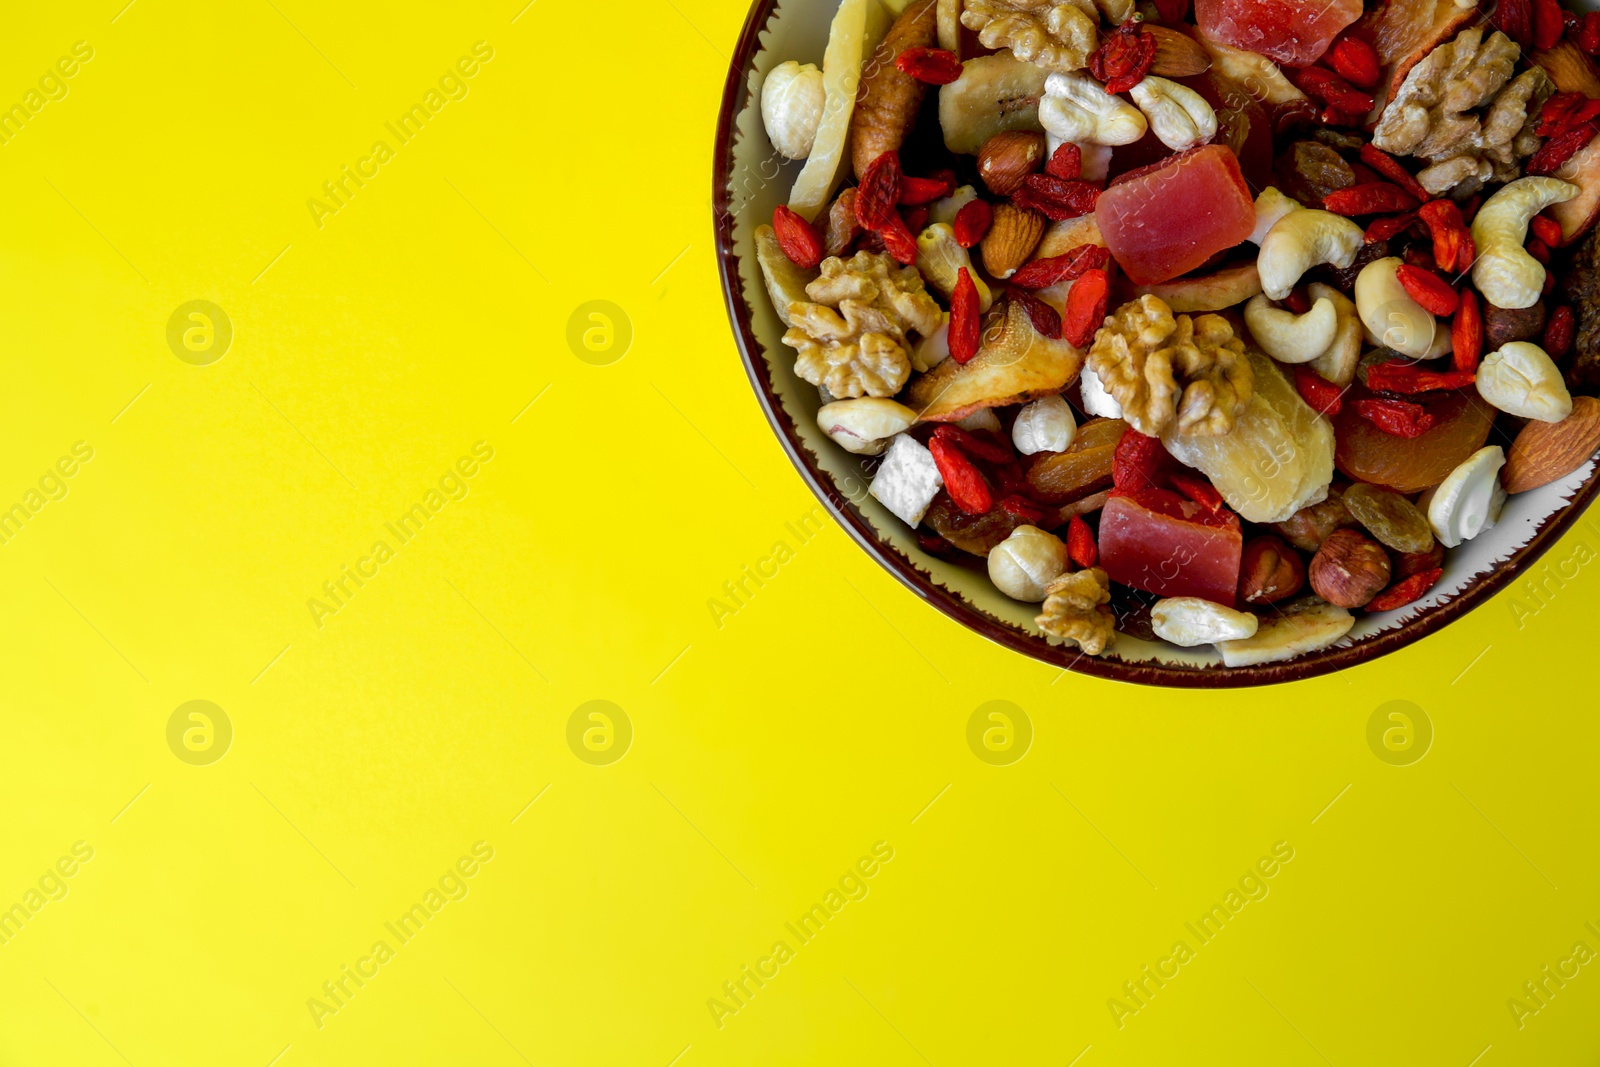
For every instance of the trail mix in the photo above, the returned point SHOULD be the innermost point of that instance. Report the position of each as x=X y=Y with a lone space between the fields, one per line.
x=1215 y=325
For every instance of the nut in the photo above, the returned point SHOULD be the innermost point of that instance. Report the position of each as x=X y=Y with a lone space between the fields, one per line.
x=1025 y=563
x=1045 y=425
x=1177 y=54
x=1504 y=272
x=1178 y=116
x=1338 y=363
x=1301 y=240
x=1056 y=36
x=1272 y=205
x=791 y=107
x=1187 y=621
x=1291 y=338
x=1077 y=108
x=940 y=259
x=1392 y=319
x=1349 y=569
x=1521 y=379
x=1501 y=326
x=864 y=425
x=1269 y=571
x=1545 y=451
x=1077 y=610
x=1007 y=158
x=1307 y=528
x=1011 y=239
x=1469 y=499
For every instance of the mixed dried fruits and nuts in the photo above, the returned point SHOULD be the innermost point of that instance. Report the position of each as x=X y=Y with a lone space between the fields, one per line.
x=1212 y=325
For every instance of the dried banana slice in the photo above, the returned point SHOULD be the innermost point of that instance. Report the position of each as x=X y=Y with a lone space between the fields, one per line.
x=1304 y=626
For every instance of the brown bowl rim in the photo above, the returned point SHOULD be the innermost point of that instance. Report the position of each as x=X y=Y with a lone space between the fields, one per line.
x=1430 y=620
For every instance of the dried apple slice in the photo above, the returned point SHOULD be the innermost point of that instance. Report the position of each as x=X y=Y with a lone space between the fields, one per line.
x=1016 y=364
x=857 y=28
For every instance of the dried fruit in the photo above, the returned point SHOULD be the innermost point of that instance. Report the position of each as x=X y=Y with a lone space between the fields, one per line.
x=1546 y=228
x=1514 y=18
x=1045 y=318
x=1080 y=543
x=1086 y=307
x=1124 y=57
x=1294 y=33
x=1368 y=454
x=1466 y=333
x=1356 y=61
x=1349 y=569
x=842 y=228
x=1321 y=394
x=1157 y=541
x=1141 y=462
x=1400 y=376
x=1391 y=168
x=1548 y=24
x=1453 y=247
x=1397 y=418
x=1391 y=518
x=888 y=99
x=1148 y=220
x=984 y=444
x=961 y=479
x=797 y=238
x=1199 y=490
x=1269 y=571
x=1370 y=198
x=965 y=324
x=1085 y=467
x=1406 y=591
x=1057 y=198
x=879 y=192
x=1559 y=332
x=898 y=240
x=1043 y=273
x=1007 y=158
x=1546 y=451
x=920 y=191
x=1066 y=162
x=1338 y=94
x=1021 y=507
x=1389 y=227
x=972 y=222
x=935 y=66
x=1428 y=289
x=1309 y=171
x=1555 y=152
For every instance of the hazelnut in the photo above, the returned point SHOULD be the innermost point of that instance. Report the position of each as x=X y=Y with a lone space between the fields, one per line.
x=1269 y=571
x=1023 y=564
x=1007 y=158
x=1307 y=528
x=1349 y=569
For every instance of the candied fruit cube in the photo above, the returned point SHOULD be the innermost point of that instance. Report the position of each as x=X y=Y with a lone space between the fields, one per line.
x=1167 y=219
x=1294 y=33
x=1156 y=541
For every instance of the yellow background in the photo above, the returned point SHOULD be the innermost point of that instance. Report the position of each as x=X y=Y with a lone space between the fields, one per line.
x=768 y=754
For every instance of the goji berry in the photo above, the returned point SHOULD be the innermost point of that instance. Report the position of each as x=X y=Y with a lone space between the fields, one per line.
x=1124 y=57
x=966 y=326
x=932 y=65
x=1588 y=37
x=1405 y=591
x=1398 y=376
x=1466 y=333
x=962 y=480
x=1559 y=332
x=1371 y=198
x=1555 y=152
x=1428 y=289
x=1056 y=198
x=1042 y=273
x=1140 y=462
x=1332 y=90
x=1546 y=229
x=1321 y=394
x=1453 y=247
x=797 y=237
x=899 y=240
x=1391 y=168
x=1548 y=24
x=1066 y=162
x=1080 y=543
x=1549 y=283
x=1199 y=490
x=1539 y=250
x=1356 y=61
x=1021 y=507
x=923 y=190
x=1397 y=418
x=1514 y=18
x=1045 y=318
x=1566 y=111
x=1086 y=307
x=915 y=217
x=1389 y=227
x=972 y=222
x=987 y=446
x=879 y=192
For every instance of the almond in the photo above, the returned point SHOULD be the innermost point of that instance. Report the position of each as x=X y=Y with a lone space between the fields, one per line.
x=1011 y=239
x=1545 y=451
x=1177 y=54
x=1007 y=158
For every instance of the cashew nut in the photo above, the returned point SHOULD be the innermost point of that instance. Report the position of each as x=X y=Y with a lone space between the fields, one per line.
x=1291 y=338
x=1391 y=317
x=1469 y=499
x=1301 y=240
x=941 y=259
x=1521 y=379
x=1506 y=275
x=1180 y=117
x=1077 y=108
x=865 y=424
x=1272 y=205
x=944 y=210
x=1338 y=364
x=1188 y=621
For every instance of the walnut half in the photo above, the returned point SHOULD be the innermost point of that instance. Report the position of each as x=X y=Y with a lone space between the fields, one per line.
x=1165 y=369
x=1076 y=610
x=852 y=334
x=1057 y=36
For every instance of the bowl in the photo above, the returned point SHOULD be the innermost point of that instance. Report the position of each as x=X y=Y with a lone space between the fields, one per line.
x=749 y=179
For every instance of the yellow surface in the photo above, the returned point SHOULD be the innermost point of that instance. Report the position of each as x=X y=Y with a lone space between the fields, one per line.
x=768 y=754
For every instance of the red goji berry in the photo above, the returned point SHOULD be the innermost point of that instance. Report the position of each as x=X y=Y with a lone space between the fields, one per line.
x=1397 y=418
x=972 y=222
x=1124 y=57
x=1356 y=61
x=1332 y=90
x=797 y=237
x=915 y=217
x=1548 y=24
x=1391 y=168
x=1469 y=208
x=1389 y=227
x=1197 y=489
x=1042 y=273
x=1549 y=283
x=1428 y=289
x=966 y=324
x=899 y=240
x=1546 y=229
x=1321 y=394
x=1539 y=250
x=1466 y=333
x=1080 y=543
x=932 y=65
x=1045 y=318
x=1398 y=376
x=1555 y=152
x=1514 y=18
x=1140 y=462
x=1405 y=591
x=1021 y=507
x=1066 y=162
x=962 y=480
x=1559 y=332
x=1588 y=38
x=1566 y=111
x=923 y=190
x=1370 y=198
x=879 y=192
x=1453 y=247
x=1086 y=307
x=934 y=545
x=1056 y=198
x=987 y=446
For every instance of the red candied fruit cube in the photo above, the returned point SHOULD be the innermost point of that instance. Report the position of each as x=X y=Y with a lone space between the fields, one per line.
x=1155 y=540
x=1294 y=33
x=1167 y=219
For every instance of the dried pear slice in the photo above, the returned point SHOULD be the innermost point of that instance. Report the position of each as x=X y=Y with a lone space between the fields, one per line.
x=1016 y=364
x=856 y=30
x=786 y=282
x=1277 y=460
